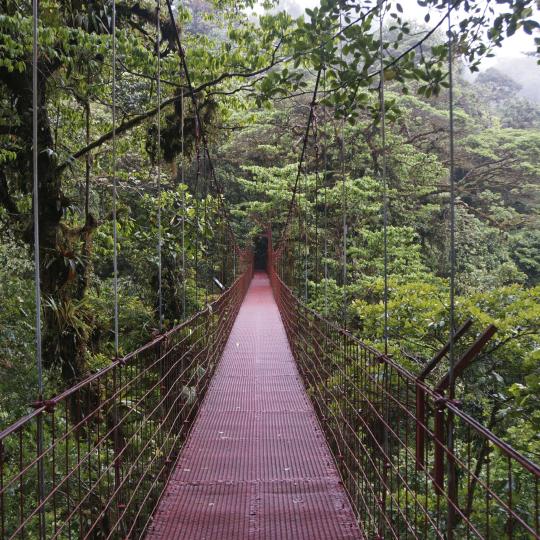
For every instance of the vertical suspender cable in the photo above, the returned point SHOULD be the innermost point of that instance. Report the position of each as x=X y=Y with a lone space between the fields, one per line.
x=88 y=155
x=325 y=174
x=205 y=256
x=196 y=218
x=115 y=195
x=384 y=179
x=37 y=276
x=385 y=257
x=344 y=198
x=452 y=481
x=452 y=253
x=35 y=174
x=298 y=246
x=305 y=235
x=159 y=233
x=182 y=179
x=344 y=224
x=116 y=433
x=316 y=199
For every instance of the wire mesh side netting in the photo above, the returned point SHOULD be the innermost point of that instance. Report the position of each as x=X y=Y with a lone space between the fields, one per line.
x=111 y=441
x=389 y=432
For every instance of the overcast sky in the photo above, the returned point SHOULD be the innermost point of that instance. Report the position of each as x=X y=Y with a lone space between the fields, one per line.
x=514 y=46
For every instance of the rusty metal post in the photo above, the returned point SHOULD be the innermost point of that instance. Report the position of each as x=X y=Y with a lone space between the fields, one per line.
x=438 y=465
x=420 y=426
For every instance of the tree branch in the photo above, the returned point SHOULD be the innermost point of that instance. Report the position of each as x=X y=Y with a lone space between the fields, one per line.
x=144 y=76
x=122 y=128
x=244 y=74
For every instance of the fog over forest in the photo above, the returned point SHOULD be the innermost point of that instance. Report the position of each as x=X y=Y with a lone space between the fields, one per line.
x=514 y=58
x=524 y=71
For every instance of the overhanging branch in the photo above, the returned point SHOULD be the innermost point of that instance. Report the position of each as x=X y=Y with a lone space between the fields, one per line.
x=122 y=128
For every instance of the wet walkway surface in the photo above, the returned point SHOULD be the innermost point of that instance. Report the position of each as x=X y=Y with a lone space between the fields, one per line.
x=256 y=464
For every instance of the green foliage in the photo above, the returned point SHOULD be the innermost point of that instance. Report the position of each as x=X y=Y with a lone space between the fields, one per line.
x=253 y=78
x=495 y=238
x=18 y=381
x=526 y=253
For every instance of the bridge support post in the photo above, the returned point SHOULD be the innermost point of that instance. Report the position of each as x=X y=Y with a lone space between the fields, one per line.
x=421 y=394
x=420 y=427
x=438 y=451
x=117 y=506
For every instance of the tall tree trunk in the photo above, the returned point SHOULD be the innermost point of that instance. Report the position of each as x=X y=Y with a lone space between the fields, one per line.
x=63 y=281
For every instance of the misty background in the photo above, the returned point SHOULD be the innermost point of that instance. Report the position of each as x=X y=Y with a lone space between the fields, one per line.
x=515 y=59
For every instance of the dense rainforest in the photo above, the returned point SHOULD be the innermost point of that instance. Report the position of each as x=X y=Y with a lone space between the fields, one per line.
x=252 y=75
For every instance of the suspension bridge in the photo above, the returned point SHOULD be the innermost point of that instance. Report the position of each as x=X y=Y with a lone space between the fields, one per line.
x=257 y=417
x=239 y=423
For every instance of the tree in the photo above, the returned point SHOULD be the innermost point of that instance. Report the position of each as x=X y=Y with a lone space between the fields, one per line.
x=237 y=59
x=497 y=86
x=75 y=68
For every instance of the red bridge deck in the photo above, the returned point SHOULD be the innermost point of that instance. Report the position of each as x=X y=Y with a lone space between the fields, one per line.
x=256 y=464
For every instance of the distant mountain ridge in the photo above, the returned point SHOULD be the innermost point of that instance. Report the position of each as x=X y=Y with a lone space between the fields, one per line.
x=525 y=71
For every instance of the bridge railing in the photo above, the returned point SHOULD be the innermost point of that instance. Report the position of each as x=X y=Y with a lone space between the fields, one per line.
x=445 y=476
x=108 y=445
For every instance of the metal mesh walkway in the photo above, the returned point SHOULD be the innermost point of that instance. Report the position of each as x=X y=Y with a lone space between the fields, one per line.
x=256 y=464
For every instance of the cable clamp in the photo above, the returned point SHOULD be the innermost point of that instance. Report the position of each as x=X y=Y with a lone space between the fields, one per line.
x=48 y=404
x=120 y=360
x=440 y=402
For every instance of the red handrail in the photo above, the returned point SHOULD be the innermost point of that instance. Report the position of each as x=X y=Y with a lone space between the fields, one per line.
x=111 y=440
x=467 y=482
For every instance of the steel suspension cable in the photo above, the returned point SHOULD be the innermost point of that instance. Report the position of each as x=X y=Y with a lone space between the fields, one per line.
x=292 y=202
x=88 y=158
x=159 y=233
x=217 y=185
x=37 y=261
x=116 y=381
x=35 y=178
x=344 y=224
x=384 y=178
x=115 y=187
x=325 y=224
x=306 y=236
x=451 y=471
x=317 y=182
x=344 y=199
x=196 y=217
x=205 y=254
x=182 y=180
x=452 y=254
x=382 y=106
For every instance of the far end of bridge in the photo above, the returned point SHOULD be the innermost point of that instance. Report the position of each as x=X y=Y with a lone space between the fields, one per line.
x=256 y=464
